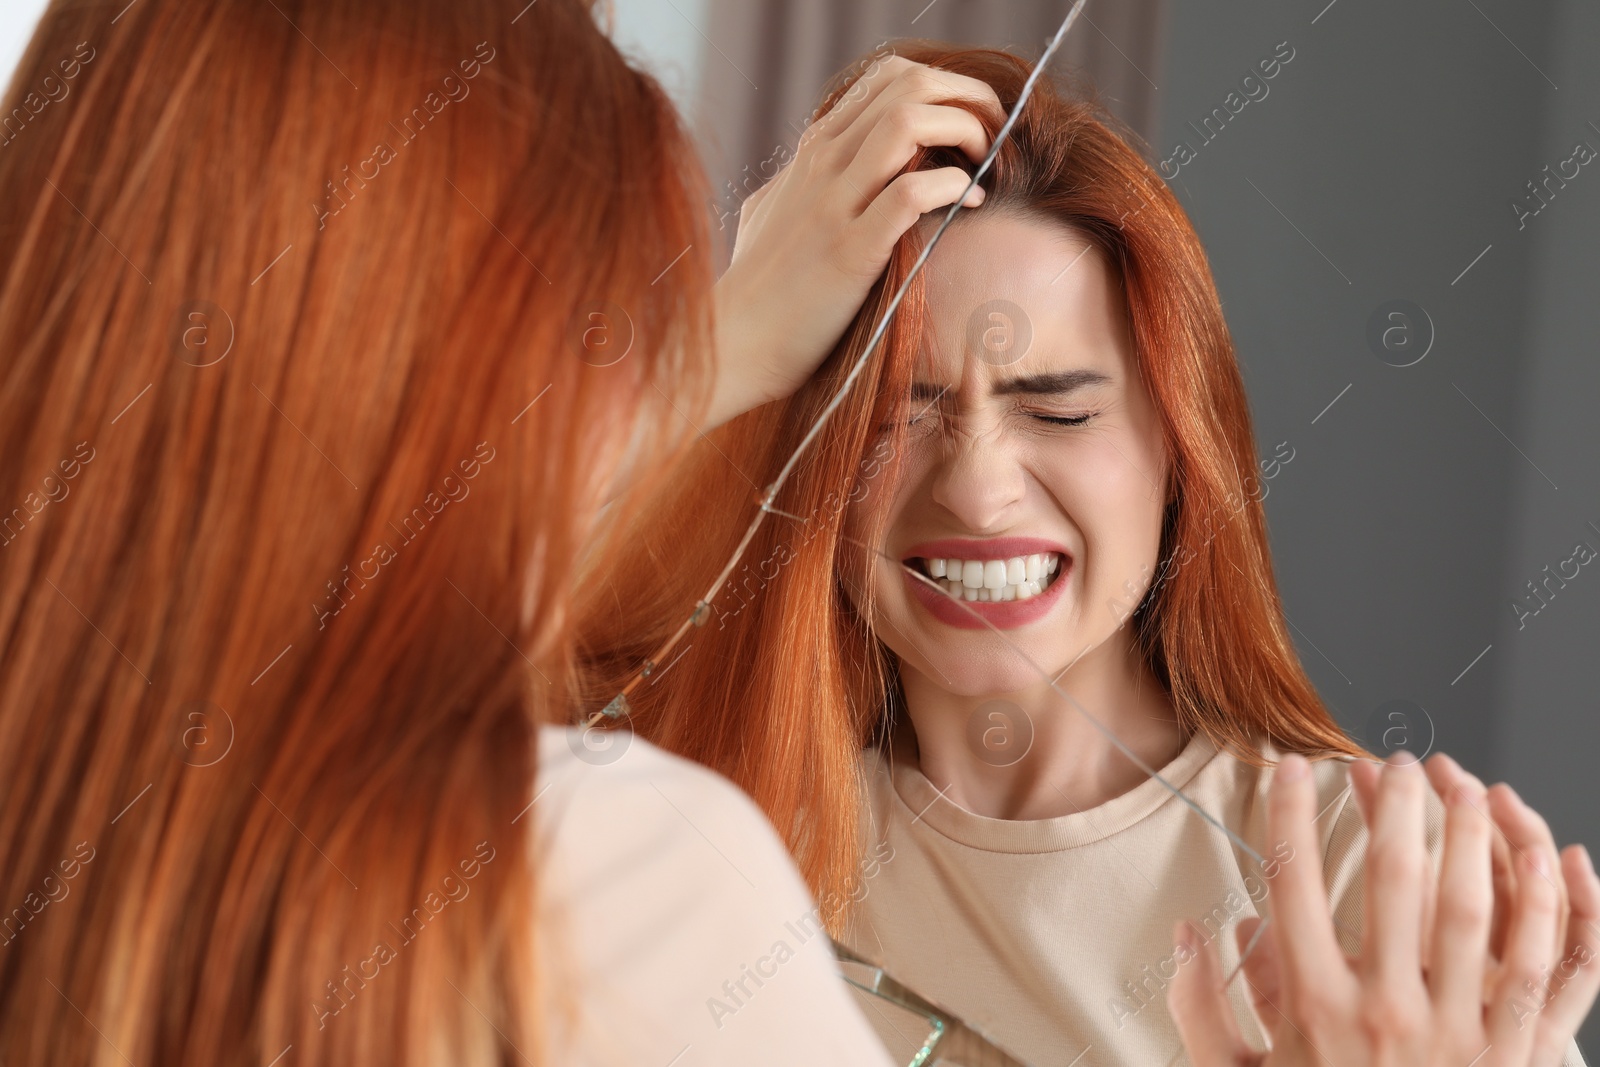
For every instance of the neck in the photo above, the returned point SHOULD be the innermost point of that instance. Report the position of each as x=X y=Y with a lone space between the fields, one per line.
x=977 y=749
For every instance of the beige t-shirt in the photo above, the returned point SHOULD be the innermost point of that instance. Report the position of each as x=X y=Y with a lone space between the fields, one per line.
x=1052 y=937
x=674 y=928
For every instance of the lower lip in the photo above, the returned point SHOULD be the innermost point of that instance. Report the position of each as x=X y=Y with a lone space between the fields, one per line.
x=1003 y=615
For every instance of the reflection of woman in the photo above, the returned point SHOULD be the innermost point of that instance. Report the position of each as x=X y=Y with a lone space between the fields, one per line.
x=1042 y=476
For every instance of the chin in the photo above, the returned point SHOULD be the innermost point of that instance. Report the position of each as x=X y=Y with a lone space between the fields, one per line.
x=988 y=668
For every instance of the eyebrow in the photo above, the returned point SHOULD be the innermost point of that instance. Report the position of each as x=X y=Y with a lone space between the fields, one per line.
x=1053 y=384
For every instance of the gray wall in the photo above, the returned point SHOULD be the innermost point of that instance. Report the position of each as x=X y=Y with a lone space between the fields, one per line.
x=1384 y=159
x=1546 y=730
x=667 y=38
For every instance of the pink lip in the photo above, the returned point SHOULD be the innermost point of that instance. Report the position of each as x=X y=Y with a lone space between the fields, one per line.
x=979 y=615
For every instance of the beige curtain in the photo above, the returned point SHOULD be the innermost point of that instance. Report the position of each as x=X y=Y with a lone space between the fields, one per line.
x=768 y=60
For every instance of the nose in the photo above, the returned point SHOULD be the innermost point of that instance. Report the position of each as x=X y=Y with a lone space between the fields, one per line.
x=979 y=481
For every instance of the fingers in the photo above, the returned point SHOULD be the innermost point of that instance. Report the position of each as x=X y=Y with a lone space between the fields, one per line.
x=899 y=206
x=1465 y=899
x=916 y=84
x=1532 y=927
x=1258 y=955
x=1397 y=865
x=882 y=72
x=1200 y=1006
x=1365 y=774
x=1308 y=950
x=1505 y=881
x=905 y=127
x=1546 y=843
x=1576 y=977
x=1505 y=892
x=1445 y=774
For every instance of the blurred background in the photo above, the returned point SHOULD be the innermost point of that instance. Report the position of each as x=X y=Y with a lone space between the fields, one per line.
x=1404 y=224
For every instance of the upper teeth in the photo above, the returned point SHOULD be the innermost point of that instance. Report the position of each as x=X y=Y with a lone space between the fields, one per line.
x=1017 y=578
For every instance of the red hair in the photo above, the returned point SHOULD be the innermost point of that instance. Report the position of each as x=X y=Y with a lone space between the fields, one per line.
x=311 y=553
x=785 y=684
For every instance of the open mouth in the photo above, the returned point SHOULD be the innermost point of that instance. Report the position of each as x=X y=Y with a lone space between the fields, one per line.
x=992 y=580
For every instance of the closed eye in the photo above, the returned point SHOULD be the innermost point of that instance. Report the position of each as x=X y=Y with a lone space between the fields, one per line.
x=1066 y=420
x=928 y=415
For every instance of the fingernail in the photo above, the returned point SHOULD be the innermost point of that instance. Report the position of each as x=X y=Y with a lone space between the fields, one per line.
x=1292 y=768
x=1540 y=865
x=1183 y=935
x=1402 y=758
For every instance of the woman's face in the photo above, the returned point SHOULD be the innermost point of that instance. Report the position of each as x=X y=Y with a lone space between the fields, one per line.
x=1035 y=473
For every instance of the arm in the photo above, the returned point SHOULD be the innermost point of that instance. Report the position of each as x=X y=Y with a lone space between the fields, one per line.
x=813 y=240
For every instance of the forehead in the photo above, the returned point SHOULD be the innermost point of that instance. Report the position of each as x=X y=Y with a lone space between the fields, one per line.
x=1023 y=280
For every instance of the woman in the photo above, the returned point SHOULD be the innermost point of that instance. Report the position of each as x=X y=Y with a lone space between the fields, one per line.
x=306 y=418
x=1037 y=479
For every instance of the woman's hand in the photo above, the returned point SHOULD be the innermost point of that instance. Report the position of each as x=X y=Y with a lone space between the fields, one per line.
x=1426 y=990
x=814 y=239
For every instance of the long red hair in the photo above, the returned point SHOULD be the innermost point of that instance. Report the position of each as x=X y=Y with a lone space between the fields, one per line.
x=785 y=682
x=314 y=376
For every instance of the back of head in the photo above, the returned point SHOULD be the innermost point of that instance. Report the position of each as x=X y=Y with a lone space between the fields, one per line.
x=324 y=328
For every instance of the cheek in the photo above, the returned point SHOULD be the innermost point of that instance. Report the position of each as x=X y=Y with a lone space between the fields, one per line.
x=1117 y=509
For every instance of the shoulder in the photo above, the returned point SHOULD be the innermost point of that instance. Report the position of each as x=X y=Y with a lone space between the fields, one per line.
x=1338 y=816
x=666 y=898
x=1343 y=837
x=615 y=795
x=1239 y=791
x=571 y=756
x=575 y=760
